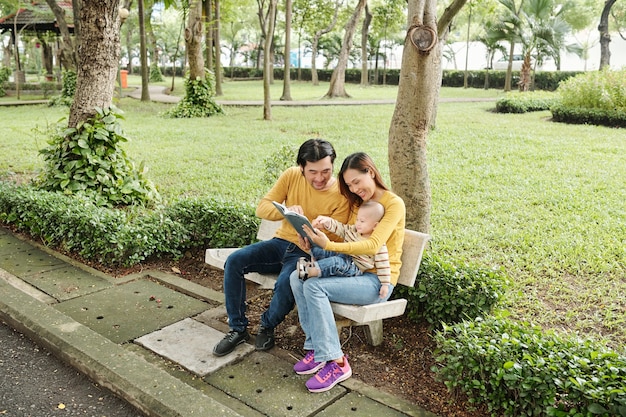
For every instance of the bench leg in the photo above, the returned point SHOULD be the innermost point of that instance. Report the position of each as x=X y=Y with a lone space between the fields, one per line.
x=341 y=323
x=374 y=332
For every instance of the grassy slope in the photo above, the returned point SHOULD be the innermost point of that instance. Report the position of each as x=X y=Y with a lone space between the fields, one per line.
x=544 y=201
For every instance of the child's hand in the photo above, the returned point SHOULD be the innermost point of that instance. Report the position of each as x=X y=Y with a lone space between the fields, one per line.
x=384 y=290
x=321 y=222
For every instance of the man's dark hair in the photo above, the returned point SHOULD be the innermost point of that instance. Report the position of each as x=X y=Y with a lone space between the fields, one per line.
x=314 y=150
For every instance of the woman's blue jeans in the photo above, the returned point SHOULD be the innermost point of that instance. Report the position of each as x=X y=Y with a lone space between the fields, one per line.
x=274 y=256
x=313 y=298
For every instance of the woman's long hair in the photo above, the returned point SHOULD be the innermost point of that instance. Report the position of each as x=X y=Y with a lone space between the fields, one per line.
x=361 y=162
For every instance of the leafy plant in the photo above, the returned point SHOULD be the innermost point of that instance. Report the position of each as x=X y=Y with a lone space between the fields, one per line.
x=5 y=73
x=277 y=162
x=526 y=102
x=155 y=73
x=447 y=293
x=521 y=370
x=199 y=99
x=89 y=160
x=596 y=97
x=67 y=91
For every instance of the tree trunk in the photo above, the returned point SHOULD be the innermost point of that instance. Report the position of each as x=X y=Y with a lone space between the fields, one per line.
x=193 y=41
x=145 y=92
x=420 y=76
x=315 y=44
x=605 y=36
x=337 y=86
x=509 y=68
x=287 y=77
x=364 y=35
x=98 y=56
x=218 y=51
x=268 y=66
x=68 y=53
x=208 y=36
x=525 y=79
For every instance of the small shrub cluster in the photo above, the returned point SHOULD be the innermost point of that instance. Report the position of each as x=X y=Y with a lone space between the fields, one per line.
x=199 y=100
x=447 y=293
x=520 y=370
x=88 y=160
x=155 y=73
x=595 y=97
x=5 y=73
x=117 y=237
x=278 y=162
x=67 y=91
x=526 y=102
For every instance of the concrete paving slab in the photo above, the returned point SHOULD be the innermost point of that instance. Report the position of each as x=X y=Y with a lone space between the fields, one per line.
x=190 y=344
x=269 y=384
x=28 y=262
x=9 y=244
x=358 y=405
x=67 y=282
x=126 y=312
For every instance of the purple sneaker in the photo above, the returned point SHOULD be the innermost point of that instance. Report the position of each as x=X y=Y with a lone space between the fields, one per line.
x=307 y=365
x=329 y=376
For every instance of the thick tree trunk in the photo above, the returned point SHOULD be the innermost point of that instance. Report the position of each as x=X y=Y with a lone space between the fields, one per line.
x=208 y=36
x=193 y=41
x=98 y=56
x=287 y=77
x=337 y=86
x=605 y=36
x=411 y=119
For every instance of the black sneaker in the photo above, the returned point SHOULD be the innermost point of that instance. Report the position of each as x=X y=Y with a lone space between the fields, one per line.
x=265 y=339
x=230 y=342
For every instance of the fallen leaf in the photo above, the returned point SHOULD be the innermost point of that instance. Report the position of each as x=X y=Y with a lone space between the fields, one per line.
x=61 y=406
x=176 y=270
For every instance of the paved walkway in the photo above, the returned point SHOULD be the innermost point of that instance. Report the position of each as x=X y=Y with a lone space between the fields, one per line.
x=148 y=338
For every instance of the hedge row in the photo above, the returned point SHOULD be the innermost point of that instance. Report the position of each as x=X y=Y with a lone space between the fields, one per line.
x=124 y=237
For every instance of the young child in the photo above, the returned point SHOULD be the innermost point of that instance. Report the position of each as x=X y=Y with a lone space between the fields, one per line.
x=328 y=263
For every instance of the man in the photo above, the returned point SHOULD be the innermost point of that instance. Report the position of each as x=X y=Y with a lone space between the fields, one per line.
x=309 y=189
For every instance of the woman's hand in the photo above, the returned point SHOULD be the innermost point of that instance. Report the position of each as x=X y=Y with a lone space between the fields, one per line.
x=315 y=236
x=304 y=243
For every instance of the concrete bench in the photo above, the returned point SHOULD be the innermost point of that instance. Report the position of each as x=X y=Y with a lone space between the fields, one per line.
x=371 y=316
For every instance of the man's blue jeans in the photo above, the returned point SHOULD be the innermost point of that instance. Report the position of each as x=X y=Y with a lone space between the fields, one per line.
x=274 y=256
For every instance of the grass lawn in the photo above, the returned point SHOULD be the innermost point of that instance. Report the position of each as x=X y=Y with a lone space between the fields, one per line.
x=544 y=201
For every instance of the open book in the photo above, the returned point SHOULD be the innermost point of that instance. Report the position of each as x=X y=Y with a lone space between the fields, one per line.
x=297 y=220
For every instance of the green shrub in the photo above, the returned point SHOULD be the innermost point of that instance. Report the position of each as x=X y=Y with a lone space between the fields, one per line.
x=520 y=370
x=277 y=162
x=446 y=293
x=155 y=73
x=199 y=100
x=89 y=160
x=596 y=97
x=5 y=73
x=67 y=91
x=124 y=237
x=526 y=102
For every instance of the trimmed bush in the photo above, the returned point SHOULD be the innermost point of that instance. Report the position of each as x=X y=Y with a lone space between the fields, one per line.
x=124 y=237
x=5 y=73
x=526 y=102
x=596 y=97
x=446 y=293
x=521 y=370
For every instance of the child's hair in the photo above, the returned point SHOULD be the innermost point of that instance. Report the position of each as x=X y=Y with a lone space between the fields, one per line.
x=374 y=209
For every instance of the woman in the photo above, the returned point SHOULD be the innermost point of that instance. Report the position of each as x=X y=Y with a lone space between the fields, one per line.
x=359 y=181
